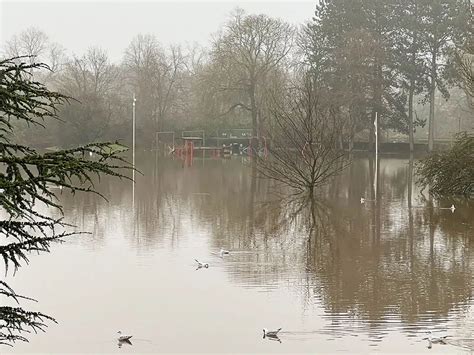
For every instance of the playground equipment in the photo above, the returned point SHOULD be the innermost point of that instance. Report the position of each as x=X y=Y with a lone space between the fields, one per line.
x=226 y=143
x=165 y=141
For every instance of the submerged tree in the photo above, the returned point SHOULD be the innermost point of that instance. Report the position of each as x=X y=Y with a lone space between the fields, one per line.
x=452 y=172
x=304 y=150
x=26 y=181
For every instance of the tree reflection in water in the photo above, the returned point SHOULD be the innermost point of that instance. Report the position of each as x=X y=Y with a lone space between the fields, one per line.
x=398 y=260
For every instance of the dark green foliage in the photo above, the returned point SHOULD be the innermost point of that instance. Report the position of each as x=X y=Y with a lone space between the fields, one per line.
x=377 y=56
x=452 y=172
x=27 y=178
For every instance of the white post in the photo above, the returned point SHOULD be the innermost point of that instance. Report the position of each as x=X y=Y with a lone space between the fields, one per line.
x=376 y=124
x=133 y=139
x=133 y=151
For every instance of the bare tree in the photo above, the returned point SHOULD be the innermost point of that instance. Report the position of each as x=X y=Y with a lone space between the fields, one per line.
x=247 y=50
x=34 y=45
x=93 y=81
x=155 y=75
x=32 y=42
x=304 y=150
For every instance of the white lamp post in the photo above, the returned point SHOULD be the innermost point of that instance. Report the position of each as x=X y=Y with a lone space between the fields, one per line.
x=376 y=124
x=133 y=123
x=133 y=151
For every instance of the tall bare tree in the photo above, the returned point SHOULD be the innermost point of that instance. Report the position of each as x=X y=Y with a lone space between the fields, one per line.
x=154 y=74
x=93 y=81
x=248 y=49
x=31 y=42
x=34 y=45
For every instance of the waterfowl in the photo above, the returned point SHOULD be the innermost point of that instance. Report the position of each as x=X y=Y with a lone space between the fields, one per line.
x=452 y=208
x=125 y=338
x=436 y=340
x=270 y=333
x=200 y=265
x=224 y=252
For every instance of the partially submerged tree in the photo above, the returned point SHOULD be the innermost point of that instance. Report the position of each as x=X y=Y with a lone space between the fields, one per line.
x=27 y=178
x=304 y=150
x=449 y=173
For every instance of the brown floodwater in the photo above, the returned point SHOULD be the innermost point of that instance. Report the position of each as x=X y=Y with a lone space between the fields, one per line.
x=337 y=276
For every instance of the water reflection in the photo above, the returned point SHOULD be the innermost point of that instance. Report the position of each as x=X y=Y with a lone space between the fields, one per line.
x=397 y=263
x=378 y=262
x=125 y=342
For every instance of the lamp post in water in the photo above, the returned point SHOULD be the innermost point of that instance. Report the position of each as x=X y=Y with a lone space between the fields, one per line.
x=133 y=151
x=376 y=124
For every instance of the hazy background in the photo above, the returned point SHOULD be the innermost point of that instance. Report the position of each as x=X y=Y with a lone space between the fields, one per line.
x=78 y=25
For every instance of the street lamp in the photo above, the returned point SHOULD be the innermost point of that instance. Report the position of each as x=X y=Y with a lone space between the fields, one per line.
x=133 y=151
x=133 y=123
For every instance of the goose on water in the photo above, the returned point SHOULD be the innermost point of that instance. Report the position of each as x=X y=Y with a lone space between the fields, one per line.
x=224 y=252
x=124 y=338
x=270 y=333
x=200 y=264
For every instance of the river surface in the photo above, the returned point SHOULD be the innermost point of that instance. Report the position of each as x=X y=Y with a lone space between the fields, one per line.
x=340 y=276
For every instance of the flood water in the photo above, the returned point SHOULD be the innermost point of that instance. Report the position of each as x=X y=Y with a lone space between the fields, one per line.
x=342 y=277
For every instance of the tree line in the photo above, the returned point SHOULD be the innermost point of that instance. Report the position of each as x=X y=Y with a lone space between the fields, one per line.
x=397 y=58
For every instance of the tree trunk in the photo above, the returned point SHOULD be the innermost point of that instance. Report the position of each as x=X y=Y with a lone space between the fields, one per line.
x=254 y=112
x=432 y=104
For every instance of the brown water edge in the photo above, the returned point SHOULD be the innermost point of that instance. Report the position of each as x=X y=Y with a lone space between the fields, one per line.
x=343 y=276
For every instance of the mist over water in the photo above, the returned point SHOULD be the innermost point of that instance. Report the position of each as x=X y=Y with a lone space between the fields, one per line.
x=345 y=277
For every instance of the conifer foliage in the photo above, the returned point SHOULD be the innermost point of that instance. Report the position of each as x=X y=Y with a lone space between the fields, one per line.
x=28 y=179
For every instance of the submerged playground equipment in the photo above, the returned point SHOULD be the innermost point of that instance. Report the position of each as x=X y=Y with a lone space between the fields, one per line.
x=223 y=144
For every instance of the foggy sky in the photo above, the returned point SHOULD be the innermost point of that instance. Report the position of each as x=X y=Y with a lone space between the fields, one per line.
x=77 y=25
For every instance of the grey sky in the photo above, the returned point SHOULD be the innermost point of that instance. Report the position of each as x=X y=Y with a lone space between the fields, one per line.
x=78 y=25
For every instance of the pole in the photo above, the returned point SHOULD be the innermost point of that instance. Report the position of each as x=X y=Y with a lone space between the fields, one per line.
x=376 y=124
x=133 y=151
